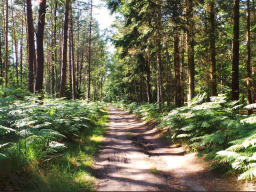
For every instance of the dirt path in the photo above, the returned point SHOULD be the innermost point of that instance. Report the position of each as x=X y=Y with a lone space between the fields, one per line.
x=134 y=159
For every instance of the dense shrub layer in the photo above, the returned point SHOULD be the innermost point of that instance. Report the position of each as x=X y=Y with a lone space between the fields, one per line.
x=213 y=129
x=49 y=144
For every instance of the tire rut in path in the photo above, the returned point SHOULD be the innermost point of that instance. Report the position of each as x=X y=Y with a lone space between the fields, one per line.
x=125 y=163
x=133 y=158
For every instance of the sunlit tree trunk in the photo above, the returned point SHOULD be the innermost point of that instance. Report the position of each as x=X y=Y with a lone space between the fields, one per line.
x=212 y=50
x=182 y=68
x=190 y=51
x=148 y=79
x=21 y=45
x=54 y=52
x=235 y=65
x=158 y=61
x=1 y=60
x=6 y=46
x=89 y=66
x=248 y=64
x=253 y=67
x=16 y=47
x=40 y=47
x=70 y=60
x=64 y=65
x=31 y=45
x=80 y=69
x=78 y=53
x=177 y=58
x=73 y=57
x=169 y=72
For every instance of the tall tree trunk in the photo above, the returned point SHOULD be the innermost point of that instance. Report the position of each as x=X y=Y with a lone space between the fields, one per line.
x=89 y=66
x=1 y=60
x=58 y=80
x=27 y=43
x=70 y=60
x=31 y=45
x=177 y=58
x=212 y=50
x=159 y=62
x=73 y=57
x=248 y=64
x=80 y=69
x=168 y=84
x=40 y=47
x=235 y=65
x=16 y=47
x=141 y=88
x=177 y=70
x=148 y=79
x=78 y=52
x=54 y=52
x=21 y=49
x=182 y=68
x=253 y=67
x=64 y=65
x=190 y=51
x=6 y=47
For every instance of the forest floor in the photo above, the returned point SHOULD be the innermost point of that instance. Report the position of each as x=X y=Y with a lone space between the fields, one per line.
x=133 y=157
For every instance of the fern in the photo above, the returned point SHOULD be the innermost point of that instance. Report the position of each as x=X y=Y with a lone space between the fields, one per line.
x=5 y=130
x=249 y=174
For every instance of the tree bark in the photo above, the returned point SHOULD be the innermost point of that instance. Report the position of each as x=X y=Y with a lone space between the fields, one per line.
x=78 y=52
x=190 y=51
x=70 y=60
x=177 y=71
x=253 y=68
x=177 y=58
x=6 y=47
x=182 y=68
x=89 y=66
x=159 y=63
x=31 y=45
x=235 y=64
x=80 y=69
x=73 y=57
x=248 y=63
x=21 y=47
x=16 y=47
x=40 y=48
x=54 y=52
x=212 y=50
x=148 y=79
x=64 y=65
x=1 y=61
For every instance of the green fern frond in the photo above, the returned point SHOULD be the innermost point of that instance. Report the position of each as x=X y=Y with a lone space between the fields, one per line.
x=227 y=156
x=3 y=156
x=249 y=174
x=184 y=135
x=242 y=158
x=188 y=127
x=5 y=130
x=253 y=157
x=235 y=148
x=4 y=145
x=237 y=165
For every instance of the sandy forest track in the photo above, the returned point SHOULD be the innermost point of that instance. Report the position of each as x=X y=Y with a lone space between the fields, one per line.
x=132 y=158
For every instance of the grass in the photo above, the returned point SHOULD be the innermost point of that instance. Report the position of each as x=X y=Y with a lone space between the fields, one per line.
x=70 y=171
x=129 y=135
x=153 y=170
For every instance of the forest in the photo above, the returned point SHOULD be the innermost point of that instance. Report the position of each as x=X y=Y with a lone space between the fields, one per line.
x=187 y=66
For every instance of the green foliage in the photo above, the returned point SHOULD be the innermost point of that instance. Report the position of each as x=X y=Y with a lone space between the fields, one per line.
x=214 y=129
x=147 y=112
x=33 y=132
